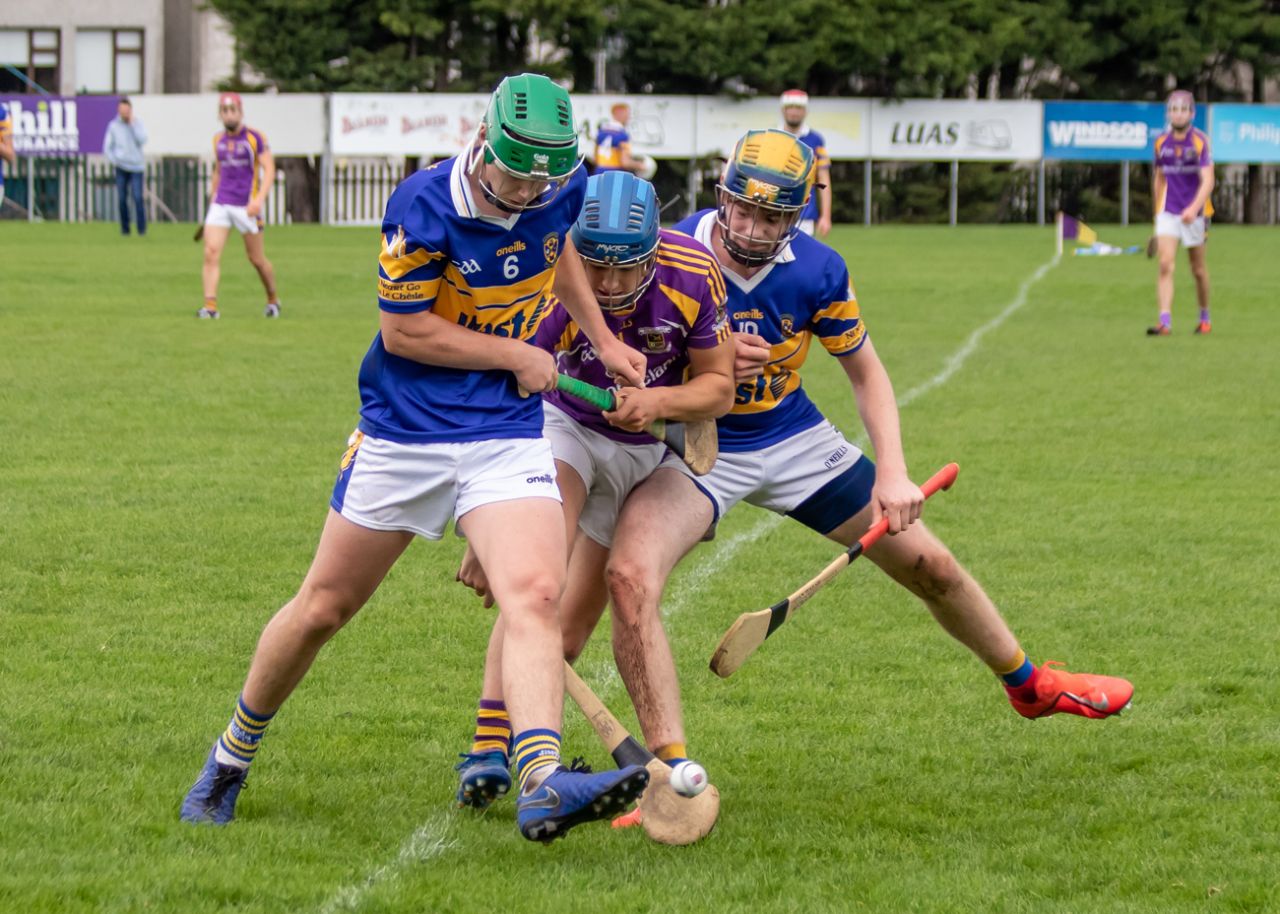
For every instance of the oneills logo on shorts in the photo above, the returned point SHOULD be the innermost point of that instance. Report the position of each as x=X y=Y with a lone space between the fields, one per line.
x=544 y=478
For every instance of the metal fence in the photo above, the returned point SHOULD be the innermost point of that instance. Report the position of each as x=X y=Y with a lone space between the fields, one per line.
x=355 y=191
x=83 y=189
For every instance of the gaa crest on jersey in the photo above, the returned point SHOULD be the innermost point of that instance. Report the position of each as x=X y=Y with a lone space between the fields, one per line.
x=655 y=339
x=788 y=323
x=551 y=248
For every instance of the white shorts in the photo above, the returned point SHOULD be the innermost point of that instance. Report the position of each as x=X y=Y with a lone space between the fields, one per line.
x=807 y=226
x=236 y=217
x=1171 y=225
x=816 y=476
x=610 y=469
x=384 y=485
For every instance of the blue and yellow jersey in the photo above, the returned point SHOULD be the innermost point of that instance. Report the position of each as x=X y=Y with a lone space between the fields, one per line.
x=805 y=293
x=6 y=132
x=487 y=274
x=821 y=160
x=611 y=142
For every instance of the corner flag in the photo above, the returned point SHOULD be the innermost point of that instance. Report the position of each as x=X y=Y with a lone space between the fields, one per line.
x=1069 y=227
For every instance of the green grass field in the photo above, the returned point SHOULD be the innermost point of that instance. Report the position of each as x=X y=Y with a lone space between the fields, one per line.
x=163 y=485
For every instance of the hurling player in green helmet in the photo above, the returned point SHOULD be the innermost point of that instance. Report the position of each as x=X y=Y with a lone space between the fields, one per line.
x=473 y=250
x=526 y=149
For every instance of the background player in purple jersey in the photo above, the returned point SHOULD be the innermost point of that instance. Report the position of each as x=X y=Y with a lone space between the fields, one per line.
x=816 y=215
x=6 y=144
x=662 y=293
x=778 y=452
x=1183 y=181
x=243 y=172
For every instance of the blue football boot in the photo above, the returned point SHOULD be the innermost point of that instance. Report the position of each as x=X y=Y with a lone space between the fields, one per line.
x=482 y=778
x=213 y=796
x=571 y=796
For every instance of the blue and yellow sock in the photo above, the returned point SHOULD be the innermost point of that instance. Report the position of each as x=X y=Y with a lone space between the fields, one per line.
x=1018 y=675
x=239 y=744
x=493 y=728
x=536 y=754
x=673 y=753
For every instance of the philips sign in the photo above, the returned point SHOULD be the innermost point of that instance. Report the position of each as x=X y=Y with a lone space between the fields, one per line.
x=1105 y=131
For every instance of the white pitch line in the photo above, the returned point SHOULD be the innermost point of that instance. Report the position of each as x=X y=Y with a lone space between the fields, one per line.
x=428 y=841
x=957 y=359
x=431 y=839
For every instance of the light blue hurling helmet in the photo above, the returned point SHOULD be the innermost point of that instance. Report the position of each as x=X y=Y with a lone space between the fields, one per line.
x=618 y=227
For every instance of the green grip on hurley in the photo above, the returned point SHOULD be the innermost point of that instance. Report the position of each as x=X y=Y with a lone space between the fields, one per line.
x=596 y=396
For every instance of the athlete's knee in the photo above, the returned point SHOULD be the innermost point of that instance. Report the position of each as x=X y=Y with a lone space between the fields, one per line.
x=631 y=586
x=934 y=574
x=537 y=596
x=1200 y=272
x=212 y=256
x=1166 y=266
x=260 y=262
x=320 y=610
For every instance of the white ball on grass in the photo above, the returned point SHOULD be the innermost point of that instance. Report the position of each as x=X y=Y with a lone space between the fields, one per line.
x=689 y=779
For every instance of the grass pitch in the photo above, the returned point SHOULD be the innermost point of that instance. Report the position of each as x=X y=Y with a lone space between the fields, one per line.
x=163 y=485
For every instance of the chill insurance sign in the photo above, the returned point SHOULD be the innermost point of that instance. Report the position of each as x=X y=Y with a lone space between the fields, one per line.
x=1105 y=131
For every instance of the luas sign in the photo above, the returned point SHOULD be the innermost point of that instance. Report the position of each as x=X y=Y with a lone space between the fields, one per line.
x=973 y=130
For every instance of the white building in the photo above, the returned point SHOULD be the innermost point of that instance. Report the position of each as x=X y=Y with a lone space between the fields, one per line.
x=69 y=47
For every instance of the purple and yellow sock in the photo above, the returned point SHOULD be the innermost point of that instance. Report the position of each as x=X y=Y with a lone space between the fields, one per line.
x=1166 y=320
x=493 y=728
x=1018 y=673
x=536 y=753
x=239 y=744
x=673 y=753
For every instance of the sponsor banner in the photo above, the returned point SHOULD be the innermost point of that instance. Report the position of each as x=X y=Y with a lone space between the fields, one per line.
x=55 y=125
x=442 y=125
x=1106 y=131
x=843 y=122
x=1245 y=133
x=184 y=125
x=942 y=130
x=369 y=124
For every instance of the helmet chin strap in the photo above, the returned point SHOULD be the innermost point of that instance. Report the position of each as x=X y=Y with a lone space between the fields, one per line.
x=740 y=253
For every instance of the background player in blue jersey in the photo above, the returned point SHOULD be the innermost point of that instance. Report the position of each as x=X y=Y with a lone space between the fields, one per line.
x=663 y=293
x=816 y=214
x=613 y=146
x=471 y=251
x=778 y=452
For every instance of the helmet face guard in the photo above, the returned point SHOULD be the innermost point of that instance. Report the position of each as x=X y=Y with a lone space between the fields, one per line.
x=617 y=233
x=762 y=194
x=530 y=141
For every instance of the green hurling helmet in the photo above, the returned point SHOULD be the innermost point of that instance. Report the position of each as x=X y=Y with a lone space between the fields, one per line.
x=529 y=135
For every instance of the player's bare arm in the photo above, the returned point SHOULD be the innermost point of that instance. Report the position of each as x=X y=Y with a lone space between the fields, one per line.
x=574 y=292
x=1196 y=207
x=432 y=340
x=894 y=494
x=6 y=150
x=268 y=162
x=708 y=394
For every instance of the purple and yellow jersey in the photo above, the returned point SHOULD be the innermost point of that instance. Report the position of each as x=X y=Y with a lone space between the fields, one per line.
x=491 y=275
x=683 y=308
x=6 y=132
x=237 y=157
x=804 y=293
x=612 y=141
x=1181 y=160
x=813 y=139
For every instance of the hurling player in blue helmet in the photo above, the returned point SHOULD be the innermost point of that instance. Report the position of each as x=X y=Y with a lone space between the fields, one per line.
x=471 y=259
x=661 y=293
x=787 y=290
